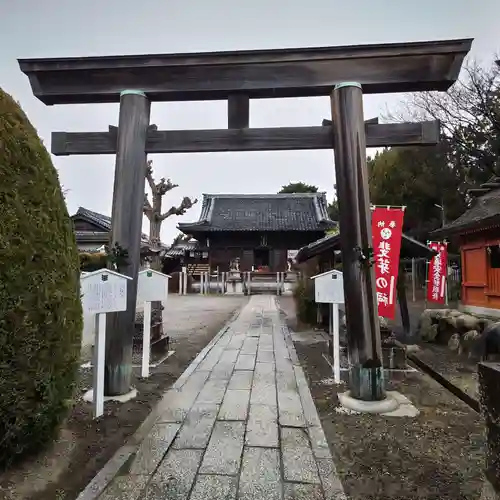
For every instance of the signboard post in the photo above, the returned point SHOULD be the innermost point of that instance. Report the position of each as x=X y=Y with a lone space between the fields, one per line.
x=103 y=291
x=152 y=286
x=329 y=289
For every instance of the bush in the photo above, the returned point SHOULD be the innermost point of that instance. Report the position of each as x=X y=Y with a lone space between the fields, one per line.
x=93 y=261
x=40 y=310
x=305 y=305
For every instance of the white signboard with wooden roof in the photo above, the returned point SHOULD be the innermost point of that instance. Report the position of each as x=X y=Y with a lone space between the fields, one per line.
x=152 y=285
x=104 y=291
x=329 y=289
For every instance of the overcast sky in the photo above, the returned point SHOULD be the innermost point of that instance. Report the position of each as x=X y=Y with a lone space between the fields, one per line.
x=52 y=28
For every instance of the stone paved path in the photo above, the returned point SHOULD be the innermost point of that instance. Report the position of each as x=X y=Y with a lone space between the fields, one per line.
x=239 y=424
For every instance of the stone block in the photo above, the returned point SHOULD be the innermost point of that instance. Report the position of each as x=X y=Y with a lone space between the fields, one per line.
x=128 y=487
x=175 y=476
x=489 y=391
x=211 y=359
x=245 y=362
x=330 y=480
x=241 y=379
x=212 y=487
x=263 y=391
x=308 y=406
x=223 y=453
x=262 y=426
x=290 y=409
x=153 y=448
x=264 y=356
x=213 y=391
x=292 y=491
x=266 y=342
x=250 y=345
x=260 y=475
x=265 y=372
x=228 y=357
x=236 y=341
x=196 y=430
x=285 y=380
x=234 y=405
x=299 y=464
x=318 y=442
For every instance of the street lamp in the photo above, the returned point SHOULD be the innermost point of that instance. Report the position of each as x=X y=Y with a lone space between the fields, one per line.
x=443 y=220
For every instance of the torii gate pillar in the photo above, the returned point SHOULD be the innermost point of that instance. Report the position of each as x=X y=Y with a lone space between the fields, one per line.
x=126 y=230
x=363 y=330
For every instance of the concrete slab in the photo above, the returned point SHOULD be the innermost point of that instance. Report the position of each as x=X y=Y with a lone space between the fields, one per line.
x=290 y=409
x=212 y=487
x=128 y=487
x=262 y=426
x=299 y=464
x=241 y=379
x=293 y=491
x=153 y=448
x=260 y=475
x=175 y=476
x=196 y=430
x=234 y=405
x=223 y=453
x=245 y=362
x=213 y=391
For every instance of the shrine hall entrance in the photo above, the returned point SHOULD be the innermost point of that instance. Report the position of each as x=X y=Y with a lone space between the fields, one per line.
x=261 y=257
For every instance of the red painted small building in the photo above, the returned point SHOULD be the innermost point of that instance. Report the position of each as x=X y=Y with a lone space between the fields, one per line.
x=477 y=233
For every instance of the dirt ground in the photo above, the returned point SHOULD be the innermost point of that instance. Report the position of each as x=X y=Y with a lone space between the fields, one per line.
x=436 y=455
x=85 y=445
x=459 y=370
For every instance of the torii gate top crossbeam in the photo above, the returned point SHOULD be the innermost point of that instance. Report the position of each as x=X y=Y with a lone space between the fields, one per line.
x=380 y=68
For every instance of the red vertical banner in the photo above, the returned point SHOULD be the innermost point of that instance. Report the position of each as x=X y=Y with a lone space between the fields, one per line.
x=387 y=231
x=436 y=274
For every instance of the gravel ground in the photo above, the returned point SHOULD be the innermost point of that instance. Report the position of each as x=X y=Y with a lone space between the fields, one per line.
x=85 y=445
x=437 y=455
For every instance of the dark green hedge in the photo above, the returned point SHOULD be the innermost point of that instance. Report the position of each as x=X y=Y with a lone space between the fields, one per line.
x=40 y=310
x=305 y=304
x=93 y=261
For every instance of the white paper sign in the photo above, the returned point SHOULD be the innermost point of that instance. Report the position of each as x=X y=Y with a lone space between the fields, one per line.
x=104 y=291
x=152 y=285
x=329 y=287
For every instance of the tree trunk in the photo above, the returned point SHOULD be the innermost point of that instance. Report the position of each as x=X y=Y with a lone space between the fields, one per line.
x=156 y=263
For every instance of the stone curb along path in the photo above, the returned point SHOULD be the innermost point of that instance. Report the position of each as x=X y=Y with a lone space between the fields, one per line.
x=240 y=423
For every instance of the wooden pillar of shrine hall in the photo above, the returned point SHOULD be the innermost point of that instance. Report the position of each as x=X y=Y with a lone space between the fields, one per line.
x=364 y=342
x=128 y=201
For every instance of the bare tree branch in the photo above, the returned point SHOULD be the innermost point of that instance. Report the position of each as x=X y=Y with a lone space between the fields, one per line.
x=180 y=210
x=147 y=208
x=164 y=187
x=149 y=176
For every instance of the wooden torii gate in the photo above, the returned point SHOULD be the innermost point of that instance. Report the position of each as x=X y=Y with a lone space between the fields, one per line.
x=343 y=73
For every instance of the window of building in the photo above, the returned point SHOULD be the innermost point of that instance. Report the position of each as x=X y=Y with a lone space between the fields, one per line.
x=494 y=256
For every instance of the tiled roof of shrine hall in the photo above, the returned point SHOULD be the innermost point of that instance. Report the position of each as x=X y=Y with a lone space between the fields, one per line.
x=483 y=213
x=262 y=212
